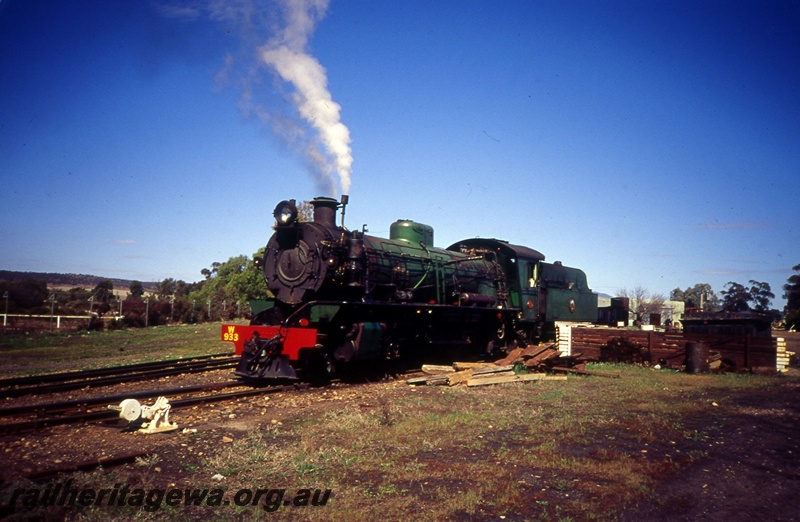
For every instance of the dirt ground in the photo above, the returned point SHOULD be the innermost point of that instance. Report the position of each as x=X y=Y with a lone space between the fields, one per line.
x=751 y=470
x=69 y=446
x=31 y=460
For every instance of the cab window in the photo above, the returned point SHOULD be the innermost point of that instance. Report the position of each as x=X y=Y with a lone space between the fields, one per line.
x=533 y=275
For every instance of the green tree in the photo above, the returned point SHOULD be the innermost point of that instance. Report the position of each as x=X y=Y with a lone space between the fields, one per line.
x=699 y=296
x=791 y=292
x=228 y=286
x=182 y=288
x=28 y=295
x=136 y=289
x=735 y=298
x=208 y=273
x=249 y=283
x=75 y=300
x=761 y=296
x=166 y=288
x=103 y=296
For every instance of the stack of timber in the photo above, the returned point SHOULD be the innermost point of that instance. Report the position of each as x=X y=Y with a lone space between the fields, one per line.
x=542 y=358
x=537 y=360
x=547 y=358
x=477 y=374
x=629 y=346
x=735 y=352
x=740 y=352
x=783 y=355
x=730 y=352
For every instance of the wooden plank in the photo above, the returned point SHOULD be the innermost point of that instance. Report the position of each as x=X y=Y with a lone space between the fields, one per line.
x=515 y=378
x=473 y=365
x=430 y=379
x=504 y=373
x=532 y=363
x=511 y=358
x=442 y=378
x=533 y=351
x=434 y=369
x=496 y=369
x=459 y=377
x=549 y=354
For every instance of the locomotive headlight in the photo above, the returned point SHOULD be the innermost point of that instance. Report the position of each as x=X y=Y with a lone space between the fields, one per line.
x=285 y=213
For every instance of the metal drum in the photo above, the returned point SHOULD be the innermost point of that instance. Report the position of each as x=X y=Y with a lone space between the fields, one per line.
x=696 y=357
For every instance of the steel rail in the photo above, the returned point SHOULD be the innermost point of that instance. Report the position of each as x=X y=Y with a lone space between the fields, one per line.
x=97 y=372
x=111 y=399
x=192 y=367
x=100 y=415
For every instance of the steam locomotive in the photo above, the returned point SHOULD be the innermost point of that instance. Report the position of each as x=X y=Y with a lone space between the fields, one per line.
x=344 y=299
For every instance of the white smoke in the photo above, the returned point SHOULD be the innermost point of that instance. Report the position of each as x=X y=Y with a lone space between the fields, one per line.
x=287 y=54
x=320 y=137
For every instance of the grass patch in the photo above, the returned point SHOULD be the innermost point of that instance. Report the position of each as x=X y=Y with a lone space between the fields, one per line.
x=578 y=449
x=582 y=449
x=68 y=351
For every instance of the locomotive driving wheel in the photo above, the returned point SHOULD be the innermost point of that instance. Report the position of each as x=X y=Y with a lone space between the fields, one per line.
x=503 y=341
x=317 y=366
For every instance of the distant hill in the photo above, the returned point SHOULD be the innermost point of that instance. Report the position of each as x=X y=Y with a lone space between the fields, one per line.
x=70 y=280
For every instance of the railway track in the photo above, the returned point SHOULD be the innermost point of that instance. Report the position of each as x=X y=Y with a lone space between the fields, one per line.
x=24 y=413
x=95 y=409
x=60 y=382
x=25 y=416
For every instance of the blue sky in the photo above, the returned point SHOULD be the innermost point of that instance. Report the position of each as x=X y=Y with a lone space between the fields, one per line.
x=652 y=144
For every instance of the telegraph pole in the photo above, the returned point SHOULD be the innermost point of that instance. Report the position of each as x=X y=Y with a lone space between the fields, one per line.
x=5 y=317
x=52 y=309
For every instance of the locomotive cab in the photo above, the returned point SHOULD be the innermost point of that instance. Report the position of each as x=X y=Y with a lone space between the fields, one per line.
x=541 y=292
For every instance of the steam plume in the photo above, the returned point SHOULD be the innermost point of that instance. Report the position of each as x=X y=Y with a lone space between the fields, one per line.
x=323 y=140
x=287 y=54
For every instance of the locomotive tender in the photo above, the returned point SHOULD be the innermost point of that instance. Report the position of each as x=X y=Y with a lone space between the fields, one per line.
x=344 y=298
